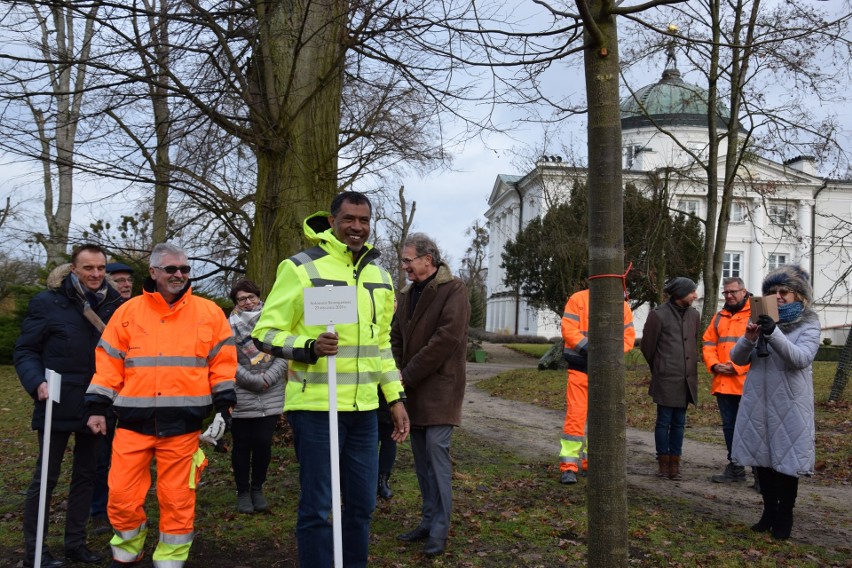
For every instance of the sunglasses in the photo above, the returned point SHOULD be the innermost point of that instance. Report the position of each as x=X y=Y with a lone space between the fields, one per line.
x=171 y=269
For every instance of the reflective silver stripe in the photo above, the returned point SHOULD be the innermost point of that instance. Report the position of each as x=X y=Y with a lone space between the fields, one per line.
x=110 y=350
x=314 y=378
x=166 y=361
x=223 y=386
x=570 y=316
x=167 y=538
x=728 y=339
x=709 y=343
x=386 y=353
x=169 y=563
x=311 y=270
x=582 y=343
x=357 y=351
x=629 y=325
x=102 y=390
x=286 y=349
x=389 y=377
x=572 y=438
x=163 y=401
x=218 y=347
x=127 y=535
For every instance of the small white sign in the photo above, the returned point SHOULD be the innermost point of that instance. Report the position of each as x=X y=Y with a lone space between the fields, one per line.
x=54 y=384
x=331 y=305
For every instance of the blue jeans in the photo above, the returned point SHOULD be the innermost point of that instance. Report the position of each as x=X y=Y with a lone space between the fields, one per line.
x=359 y=469
x=668 y=432
x=729 y=404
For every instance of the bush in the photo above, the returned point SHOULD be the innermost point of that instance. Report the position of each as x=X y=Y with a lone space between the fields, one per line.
x=482 y=335
x=829 y=353
x=10 y=323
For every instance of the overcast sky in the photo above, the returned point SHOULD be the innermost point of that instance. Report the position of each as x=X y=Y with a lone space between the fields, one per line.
x=447 y=202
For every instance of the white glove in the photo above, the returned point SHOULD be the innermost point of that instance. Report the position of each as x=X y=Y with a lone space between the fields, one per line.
x=215 y=431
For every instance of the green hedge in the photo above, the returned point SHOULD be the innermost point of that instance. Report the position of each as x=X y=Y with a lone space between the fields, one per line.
x=829 y=353
x=10 y=322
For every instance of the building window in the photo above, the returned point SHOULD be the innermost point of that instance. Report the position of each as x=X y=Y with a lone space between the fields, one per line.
x=688 y=206
x=776 y=260
x=781 y=214
x=631 y=151
x=739 y=212
x=732 y=265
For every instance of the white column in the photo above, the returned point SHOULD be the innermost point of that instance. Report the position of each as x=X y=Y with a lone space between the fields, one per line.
x=756 y=260
x=804 y=221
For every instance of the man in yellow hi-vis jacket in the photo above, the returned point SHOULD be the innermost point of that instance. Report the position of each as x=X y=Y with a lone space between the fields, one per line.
x=165 y=360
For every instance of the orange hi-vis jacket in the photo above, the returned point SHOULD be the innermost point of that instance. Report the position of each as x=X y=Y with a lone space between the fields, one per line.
x=719 y=338
x=575 y=323
x=163 y=368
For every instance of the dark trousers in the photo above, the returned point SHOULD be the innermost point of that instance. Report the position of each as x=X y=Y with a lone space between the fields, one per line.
x=252 y=452
x=100 y=496
x=729 y=405
x=779 y=490
x=387 y=448
x=86 y=448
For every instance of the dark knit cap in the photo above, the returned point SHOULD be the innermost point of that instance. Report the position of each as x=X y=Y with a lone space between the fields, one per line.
x=679 y=287
x=792 y=277
x=114 y=267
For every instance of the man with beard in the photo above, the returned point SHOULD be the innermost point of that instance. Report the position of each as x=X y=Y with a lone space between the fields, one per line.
x=728 y=325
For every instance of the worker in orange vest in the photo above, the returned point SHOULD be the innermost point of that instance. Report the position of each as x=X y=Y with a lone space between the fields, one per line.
x=575 y=331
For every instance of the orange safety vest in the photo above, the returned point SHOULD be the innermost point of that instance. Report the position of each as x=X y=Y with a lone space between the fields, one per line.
x=164 y=367
x=575 y=323
x=719 y=338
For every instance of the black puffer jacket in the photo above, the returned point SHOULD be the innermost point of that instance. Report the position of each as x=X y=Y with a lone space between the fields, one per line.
x=56 y=335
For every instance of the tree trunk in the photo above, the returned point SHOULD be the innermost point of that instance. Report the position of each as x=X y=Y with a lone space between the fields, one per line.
x=297 y=84
x=607 y=497
x=159 y=32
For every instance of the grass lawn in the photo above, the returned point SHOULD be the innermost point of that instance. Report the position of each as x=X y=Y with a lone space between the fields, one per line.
x=508 y=512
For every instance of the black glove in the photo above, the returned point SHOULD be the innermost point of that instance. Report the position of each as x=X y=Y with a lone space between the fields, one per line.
x=766 y=323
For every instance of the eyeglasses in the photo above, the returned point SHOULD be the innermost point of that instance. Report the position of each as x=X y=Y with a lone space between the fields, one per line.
x=407 y=261
x=124 y=280
x=246 y=298
x=781 y=291
x=171 y=269
x=731 y=292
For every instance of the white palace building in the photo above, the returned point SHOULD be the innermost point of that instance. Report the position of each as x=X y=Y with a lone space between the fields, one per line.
x=783 y=213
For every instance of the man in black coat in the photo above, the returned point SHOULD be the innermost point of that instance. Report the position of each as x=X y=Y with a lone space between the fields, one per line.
x=60 y=333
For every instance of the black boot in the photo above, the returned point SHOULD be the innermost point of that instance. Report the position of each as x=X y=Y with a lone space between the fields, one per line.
x=788 y=489
x=384 y=491
x=770 y=500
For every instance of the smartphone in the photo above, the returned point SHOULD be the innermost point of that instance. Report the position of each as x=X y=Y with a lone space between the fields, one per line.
x=763 y=305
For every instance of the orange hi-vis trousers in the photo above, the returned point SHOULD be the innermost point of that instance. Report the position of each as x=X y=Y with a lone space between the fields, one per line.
x=573 y=452
x=179 y=464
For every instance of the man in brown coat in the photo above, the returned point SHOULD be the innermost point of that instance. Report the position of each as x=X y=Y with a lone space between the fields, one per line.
x=429 y=342
x=670 y=345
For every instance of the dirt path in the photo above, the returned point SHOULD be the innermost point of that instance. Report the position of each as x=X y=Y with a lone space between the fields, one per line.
x=823 y=514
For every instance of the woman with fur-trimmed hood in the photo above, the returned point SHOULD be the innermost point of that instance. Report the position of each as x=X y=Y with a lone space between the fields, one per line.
x=775 y=424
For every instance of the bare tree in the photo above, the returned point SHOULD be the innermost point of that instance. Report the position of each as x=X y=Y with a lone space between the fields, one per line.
x=43 y=96
x=395 y=219
x=743 y=49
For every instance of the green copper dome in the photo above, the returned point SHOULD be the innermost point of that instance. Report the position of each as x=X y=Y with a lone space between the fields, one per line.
x=669 y=102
